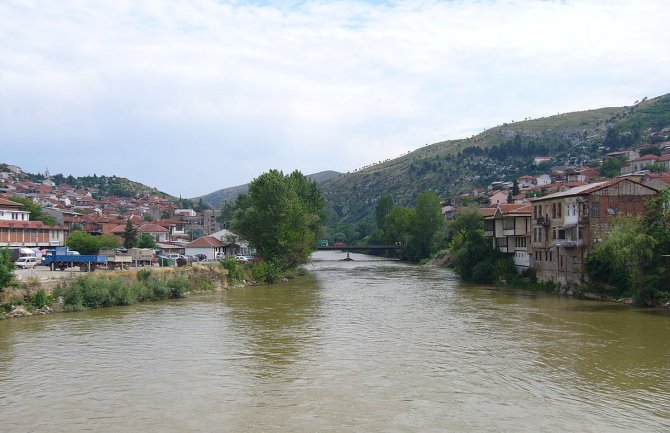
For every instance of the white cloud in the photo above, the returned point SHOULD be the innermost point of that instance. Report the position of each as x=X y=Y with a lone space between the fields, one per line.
x=223 y=91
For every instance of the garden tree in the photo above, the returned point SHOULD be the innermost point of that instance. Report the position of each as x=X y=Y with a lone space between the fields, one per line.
x=427 y=225
x=36 y=212
x=281 y=216
x=657 y=168
x=469 y=219
x=651 y=150
x=622 y=259
x=148 y=217
x=611 y=167
x=86 y=243
x=384 y=207
x=6 y=269
x=146 y=240
x=472 y=254
x=129 y=235
x=515 y=188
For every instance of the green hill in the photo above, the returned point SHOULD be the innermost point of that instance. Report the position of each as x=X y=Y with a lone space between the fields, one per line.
x=215 y=198
x=500 y=153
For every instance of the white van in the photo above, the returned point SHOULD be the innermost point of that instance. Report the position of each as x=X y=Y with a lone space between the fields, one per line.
x=26 y=262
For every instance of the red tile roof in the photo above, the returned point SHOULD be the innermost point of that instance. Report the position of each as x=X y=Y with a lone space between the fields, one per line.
x=205 y=242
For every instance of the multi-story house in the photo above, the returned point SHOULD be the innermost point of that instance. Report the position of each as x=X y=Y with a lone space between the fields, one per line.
x=16 y=229
x=509 y=226
x=567 y=225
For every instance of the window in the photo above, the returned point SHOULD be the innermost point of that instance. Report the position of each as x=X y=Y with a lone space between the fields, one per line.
x=553 y=210
x=551 y=256
x=595 y=209
x=561 y=234
x=559 y=210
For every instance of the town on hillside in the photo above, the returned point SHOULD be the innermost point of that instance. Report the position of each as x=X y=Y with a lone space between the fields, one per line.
x=177 y=231
x=550 y=222
x=547 y=222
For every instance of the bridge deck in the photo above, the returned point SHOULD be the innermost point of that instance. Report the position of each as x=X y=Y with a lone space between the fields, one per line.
x=358 y=247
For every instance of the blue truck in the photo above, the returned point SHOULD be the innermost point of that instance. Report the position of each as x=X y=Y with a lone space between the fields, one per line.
x=62 y=258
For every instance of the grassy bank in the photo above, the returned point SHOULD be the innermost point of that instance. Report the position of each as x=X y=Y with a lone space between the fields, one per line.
x=116 y=288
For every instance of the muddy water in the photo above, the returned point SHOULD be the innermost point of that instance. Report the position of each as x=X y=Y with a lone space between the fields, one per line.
x=362 y=346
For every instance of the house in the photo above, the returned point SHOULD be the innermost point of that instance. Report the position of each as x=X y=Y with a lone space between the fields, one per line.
x=17 y=230
x=526 y=182
x=626 y=155
x=543 y=179
x=234 y=244
x=508 y=227
x=11 y=211
x=210 y=222
x=498 y=197
x=207 y=245
x=160 y=234
x=566 y=225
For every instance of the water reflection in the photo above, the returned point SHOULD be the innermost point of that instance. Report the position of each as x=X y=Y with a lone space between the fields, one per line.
x=276 y=321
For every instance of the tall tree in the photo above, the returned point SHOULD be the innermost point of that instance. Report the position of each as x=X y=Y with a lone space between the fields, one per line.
x=146 y=240
x=129 y=235
x=427 y=225
x=384 y=207
x=281 y=216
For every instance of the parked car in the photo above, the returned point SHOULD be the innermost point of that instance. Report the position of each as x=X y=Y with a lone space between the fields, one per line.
x=243 y=259
x=220 y=256
x=26 y=262
x=201 y=257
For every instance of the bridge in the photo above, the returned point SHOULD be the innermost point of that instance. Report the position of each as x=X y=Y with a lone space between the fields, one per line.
x=359 y=247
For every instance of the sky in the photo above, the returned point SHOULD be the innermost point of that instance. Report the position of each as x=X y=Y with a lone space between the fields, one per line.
x=194 y=96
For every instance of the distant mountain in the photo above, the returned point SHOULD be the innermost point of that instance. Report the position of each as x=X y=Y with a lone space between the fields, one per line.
x=215 y=198
x=504 y=152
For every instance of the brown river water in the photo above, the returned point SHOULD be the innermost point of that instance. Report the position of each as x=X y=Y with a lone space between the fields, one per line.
x=362 y=346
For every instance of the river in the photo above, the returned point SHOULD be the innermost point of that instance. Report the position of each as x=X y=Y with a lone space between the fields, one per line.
x=361 y=346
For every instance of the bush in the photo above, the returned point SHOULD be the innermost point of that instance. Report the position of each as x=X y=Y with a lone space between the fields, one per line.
x=234 y=269
x=266 y=272
x=40 y=299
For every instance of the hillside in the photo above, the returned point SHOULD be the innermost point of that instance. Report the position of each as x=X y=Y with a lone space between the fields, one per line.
x=215 y=198
x=500 y=153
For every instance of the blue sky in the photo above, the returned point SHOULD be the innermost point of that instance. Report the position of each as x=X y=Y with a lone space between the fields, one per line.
x=194 y=96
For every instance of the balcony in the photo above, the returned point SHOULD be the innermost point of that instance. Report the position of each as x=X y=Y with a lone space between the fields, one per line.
x=567 y=243
x=543 y=221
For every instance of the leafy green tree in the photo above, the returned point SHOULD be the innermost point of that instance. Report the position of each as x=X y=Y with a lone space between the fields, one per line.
x=611 y=167
x=36 y=212
x=426 y=226
x=623 y=258
x=129 y=235
x=384 y=207
x=107 y=240
x=6 y=269
x=146 y=240
x=148 y=217
x=281 y=217
x=515 y=188
x=83 y=242
x=399 y=225
x=86 y=243
x=651 y=150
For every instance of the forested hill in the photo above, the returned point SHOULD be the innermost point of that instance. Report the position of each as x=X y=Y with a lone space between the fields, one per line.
x=500 y=153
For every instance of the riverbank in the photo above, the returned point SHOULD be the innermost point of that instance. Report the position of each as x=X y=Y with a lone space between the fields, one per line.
x=49 y=292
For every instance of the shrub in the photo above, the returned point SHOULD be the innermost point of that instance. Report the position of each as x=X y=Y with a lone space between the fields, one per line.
x=143 y=274
x=234 y=269
x=266 y=272
x=40 y=299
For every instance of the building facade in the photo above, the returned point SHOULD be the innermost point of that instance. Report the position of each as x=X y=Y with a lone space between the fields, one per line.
x=567 y=225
